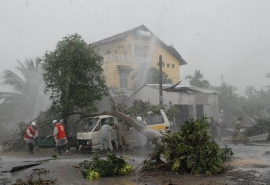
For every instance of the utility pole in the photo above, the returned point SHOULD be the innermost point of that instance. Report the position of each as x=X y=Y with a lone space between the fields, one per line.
x=160 y=80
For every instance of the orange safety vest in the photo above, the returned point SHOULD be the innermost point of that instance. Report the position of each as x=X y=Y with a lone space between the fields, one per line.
x=32 y=131
x=61 y=131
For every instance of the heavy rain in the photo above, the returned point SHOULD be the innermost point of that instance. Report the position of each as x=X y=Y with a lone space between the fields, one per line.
x=134 y=92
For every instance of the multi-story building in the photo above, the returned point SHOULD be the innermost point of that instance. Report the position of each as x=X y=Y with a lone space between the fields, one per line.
x=132 y=52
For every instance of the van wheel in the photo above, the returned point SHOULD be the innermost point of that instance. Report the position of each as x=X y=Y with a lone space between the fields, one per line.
x=114 y=145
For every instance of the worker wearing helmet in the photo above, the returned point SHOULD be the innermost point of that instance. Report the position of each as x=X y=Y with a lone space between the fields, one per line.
x=60 y=136
x=30 y=134
x=106 y=131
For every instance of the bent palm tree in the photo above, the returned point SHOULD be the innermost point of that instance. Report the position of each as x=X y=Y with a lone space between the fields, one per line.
x=25 y=88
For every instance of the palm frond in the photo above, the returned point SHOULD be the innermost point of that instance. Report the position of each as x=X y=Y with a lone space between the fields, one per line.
x=9 y=96
x=10 y=78
x=22 y=69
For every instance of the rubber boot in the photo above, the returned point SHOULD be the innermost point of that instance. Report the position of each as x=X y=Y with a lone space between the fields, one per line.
x=31 y=148
x=59 y=150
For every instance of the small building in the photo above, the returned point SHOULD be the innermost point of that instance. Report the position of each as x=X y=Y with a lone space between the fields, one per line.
x=134 y=51
x=192 y=102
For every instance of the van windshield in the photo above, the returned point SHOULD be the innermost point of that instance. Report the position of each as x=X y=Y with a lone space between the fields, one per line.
x=153 y=119
x=90 y=124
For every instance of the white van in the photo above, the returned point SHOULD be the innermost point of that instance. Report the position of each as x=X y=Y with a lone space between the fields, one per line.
x=89 y=138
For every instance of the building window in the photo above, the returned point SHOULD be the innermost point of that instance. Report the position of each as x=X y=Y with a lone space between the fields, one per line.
x=123 y=75
x=172 y=65
x=168 y=65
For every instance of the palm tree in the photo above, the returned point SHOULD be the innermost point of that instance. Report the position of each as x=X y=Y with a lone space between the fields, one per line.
x=25 y=88
x=197 y=80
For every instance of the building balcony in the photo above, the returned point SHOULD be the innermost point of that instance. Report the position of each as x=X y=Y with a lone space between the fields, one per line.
x=118 y=58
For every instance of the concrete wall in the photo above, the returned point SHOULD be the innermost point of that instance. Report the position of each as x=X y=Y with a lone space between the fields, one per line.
x=151 y=94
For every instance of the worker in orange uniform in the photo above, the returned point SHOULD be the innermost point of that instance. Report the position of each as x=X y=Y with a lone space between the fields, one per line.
x=29 y=136
x=60 y=137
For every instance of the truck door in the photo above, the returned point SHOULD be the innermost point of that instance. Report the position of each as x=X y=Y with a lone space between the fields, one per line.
x=96 y=135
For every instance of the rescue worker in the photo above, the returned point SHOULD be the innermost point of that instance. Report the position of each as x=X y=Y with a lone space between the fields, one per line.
x=238 y=136
x=30 y=134
x=106 y=130
x=121 y=134
x=214 y=128
x=60 y=137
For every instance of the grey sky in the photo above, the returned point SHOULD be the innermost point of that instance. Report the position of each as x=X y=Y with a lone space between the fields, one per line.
x=225 y=37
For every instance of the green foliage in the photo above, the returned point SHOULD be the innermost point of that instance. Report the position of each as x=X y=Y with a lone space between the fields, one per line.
x=171 y=112
x=262 y=126
x=197 y=80
x=142 y=108
x=73 y=74
x=92 y=175
x=153 y=76
x=55 y=156
x=139 y=107
x=113 y=166
x=192 y=149
x=16 y=142
x=226 y=154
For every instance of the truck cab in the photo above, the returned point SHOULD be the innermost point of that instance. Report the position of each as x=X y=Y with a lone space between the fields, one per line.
x=89 y=138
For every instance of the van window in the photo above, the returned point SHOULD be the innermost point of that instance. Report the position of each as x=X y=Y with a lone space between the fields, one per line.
x=153 y=119
x=90 y=124
x=110 y=120
x=97 y=127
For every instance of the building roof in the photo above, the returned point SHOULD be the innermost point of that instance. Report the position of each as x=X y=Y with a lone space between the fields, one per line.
x=122 y=35
x=179 y=88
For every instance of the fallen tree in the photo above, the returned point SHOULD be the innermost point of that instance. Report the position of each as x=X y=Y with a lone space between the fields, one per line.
x=154 y=136
x=190 y=150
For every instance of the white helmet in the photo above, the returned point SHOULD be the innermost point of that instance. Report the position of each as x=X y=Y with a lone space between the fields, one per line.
x=139 y=119
x=221 y=110
x=34 y=124
x=55 y=121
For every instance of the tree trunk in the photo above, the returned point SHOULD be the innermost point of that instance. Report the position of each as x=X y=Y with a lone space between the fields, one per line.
x=155 y=137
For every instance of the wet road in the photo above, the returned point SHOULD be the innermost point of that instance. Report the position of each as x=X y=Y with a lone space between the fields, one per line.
x=62 y=168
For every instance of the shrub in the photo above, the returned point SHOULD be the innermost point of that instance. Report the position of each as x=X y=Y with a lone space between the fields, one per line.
x=192 y=150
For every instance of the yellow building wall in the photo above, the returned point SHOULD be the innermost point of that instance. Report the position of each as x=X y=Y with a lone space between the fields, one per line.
x=125 y=47
x=167 y=58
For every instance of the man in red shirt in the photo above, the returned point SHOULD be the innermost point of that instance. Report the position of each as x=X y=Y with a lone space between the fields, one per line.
x=60 y=136
x=29 y=136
